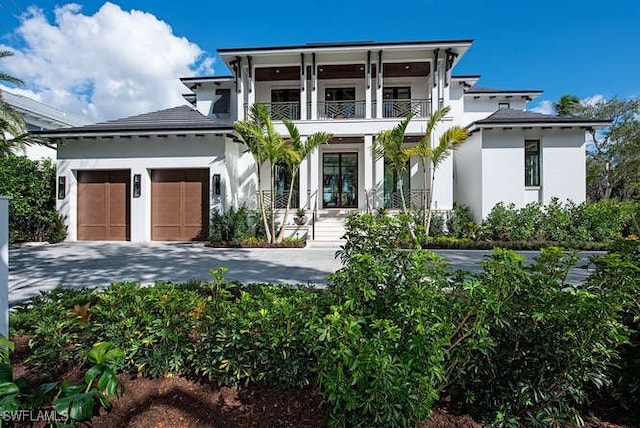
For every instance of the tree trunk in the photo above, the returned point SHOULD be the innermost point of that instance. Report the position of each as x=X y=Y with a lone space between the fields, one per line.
x=430 y=199
x=263 y=211
x=272 y=204
x=286 y=211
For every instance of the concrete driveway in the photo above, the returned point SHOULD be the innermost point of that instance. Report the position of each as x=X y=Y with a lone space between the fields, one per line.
x=82 y=264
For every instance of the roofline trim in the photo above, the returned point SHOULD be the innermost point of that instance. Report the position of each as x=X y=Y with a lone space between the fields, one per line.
x=346 y=45
x=505 y=91
x=540 y=123
x=205 y=78
x=130 y=132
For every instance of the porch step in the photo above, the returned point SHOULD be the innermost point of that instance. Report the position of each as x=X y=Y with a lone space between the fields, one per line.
x=329 y=225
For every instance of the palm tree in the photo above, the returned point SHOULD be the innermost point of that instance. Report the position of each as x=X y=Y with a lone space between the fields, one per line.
x=300 y=150
x=388 y=145
x=13 y=129
x=267 y=147
x=435 y=156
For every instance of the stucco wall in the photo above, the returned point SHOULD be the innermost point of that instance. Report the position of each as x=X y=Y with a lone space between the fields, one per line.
x=140 y=156
x=467 y=175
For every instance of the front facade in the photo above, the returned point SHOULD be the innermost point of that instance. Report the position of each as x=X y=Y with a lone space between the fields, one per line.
x=156 y=176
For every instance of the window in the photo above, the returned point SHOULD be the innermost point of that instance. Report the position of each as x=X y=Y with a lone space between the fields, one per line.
x=285 y=95
x=403 y=93
x=340 y=94
x=283 y=181
x=392 y=186
x=221 y=105
x=397 y=101
x=503 y=106
x=532 y=163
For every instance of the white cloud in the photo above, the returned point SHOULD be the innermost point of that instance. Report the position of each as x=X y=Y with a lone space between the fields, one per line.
x=593 y=100
x=545 y=107
x=112 y=64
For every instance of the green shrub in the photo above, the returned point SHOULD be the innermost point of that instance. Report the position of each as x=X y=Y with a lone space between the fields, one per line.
x=457 y=220
x=235 y=225
x=256 y=337
x=551 y=343
x=32 y=211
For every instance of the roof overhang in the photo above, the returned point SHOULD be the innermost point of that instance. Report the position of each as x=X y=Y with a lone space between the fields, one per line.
x=529 y=95
x=523 y=124
x=193 y=82
x=160 y=131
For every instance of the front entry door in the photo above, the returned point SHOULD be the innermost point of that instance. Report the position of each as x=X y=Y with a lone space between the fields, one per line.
x=340 y=180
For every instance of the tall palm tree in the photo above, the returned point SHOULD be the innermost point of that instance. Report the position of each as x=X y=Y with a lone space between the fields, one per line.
x=434 y=156
x=389 y=145
x=267 y=147
x=300 y=150
x=13 y=128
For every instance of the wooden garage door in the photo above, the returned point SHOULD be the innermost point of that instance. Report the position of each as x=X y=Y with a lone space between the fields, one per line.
x=103 y=205
x=180 y=204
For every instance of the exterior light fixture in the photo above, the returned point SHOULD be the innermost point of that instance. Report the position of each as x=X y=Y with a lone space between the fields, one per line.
x=137 y=185
x=216 y=184
x=62 y=187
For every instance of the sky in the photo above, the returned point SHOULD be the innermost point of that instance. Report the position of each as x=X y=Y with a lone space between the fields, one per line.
x=105 y=60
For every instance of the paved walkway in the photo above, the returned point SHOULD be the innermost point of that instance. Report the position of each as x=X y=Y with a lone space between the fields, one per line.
x=81 y=264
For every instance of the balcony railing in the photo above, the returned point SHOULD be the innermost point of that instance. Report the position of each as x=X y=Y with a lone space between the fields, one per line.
x=284 y=110
x=401 y=108
x=281 y=199
x=413 y=198
x=341 y=109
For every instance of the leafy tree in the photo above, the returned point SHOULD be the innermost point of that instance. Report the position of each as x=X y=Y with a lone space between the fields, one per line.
x=434 y=156
x=613 y=158
x=13 y=128
x=567 y=105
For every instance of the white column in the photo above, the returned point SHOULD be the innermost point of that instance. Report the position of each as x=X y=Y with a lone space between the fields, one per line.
x=4 y=265
x=303 y=184
x=314 y=92
x=314 y=178
x=369 y=173
x=367 y=92
x=240 y=94
x=303 y=91
x=379 y=88
x=251 y=87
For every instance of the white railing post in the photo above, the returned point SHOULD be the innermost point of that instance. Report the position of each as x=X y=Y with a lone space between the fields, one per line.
x=4 y=265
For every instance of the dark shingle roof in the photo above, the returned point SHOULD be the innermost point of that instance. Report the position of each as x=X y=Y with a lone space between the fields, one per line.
x=485 y=90
x=510 y=116
x=182 y=118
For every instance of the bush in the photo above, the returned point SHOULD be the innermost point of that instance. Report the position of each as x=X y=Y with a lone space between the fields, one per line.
x=32 y=211
x=550 y=343
x=458 y=220
x=235 y=225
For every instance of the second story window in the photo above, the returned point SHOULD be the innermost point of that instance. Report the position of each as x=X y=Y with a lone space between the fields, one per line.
x=531 y=163
x=397 y=101
x=221 y=104
x=285 y=104
x=341 y=103
x=504 y=106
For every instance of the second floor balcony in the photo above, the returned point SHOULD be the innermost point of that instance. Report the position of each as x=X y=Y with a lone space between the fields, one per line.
x=352 y=109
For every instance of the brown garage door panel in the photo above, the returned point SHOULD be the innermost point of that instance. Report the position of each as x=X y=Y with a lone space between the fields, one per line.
x=103 y=205
x=179 y=205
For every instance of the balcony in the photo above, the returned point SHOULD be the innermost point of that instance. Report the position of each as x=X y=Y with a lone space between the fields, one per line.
x=341 y=110
x=401 y=108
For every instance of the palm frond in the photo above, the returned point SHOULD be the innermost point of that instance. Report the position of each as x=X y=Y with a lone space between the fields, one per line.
x=4 y=77
x=450 y=140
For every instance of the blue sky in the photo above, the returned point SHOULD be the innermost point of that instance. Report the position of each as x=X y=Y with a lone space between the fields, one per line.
x=586 y=48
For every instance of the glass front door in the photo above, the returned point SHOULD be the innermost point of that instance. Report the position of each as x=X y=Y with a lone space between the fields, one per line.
x=340 y=180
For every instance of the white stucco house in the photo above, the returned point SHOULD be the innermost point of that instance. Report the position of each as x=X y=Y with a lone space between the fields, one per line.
x=40 y=116
x=156 y=176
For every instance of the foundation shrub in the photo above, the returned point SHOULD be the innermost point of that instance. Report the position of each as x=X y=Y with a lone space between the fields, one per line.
x=550 y=342
x=235 y=225
x=458 y=220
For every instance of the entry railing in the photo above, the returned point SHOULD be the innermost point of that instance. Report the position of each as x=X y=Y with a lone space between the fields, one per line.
x=413 y=198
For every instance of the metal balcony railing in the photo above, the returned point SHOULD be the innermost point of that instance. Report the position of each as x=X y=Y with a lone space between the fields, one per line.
x=281 y=199
x=341 y=109
x=284 y=110
x=401 y=108
x=413 y=198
